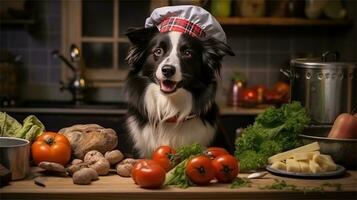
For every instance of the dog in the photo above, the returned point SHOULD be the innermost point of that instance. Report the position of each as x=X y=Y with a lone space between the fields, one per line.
x=171 y=88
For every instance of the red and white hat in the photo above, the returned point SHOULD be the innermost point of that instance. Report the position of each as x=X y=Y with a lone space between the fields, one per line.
x=189 y=19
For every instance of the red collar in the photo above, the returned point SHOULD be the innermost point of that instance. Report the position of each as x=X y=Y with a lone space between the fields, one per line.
x=174 y=119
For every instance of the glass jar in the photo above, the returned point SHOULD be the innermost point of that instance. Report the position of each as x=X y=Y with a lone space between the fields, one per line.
x=234 y=93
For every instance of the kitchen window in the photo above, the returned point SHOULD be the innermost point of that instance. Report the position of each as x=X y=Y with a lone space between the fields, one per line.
x=98 y=27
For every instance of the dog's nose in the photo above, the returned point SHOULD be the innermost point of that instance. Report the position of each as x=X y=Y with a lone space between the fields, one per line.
x=168 y=70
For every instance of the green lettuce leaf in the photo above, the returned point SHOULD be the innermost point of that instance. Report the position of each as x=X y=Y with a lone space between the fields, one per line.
x=31 y=128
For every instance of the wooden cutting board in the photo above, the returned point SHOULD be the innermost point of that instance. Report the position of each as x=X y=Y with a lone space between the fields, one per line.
x=116 y=187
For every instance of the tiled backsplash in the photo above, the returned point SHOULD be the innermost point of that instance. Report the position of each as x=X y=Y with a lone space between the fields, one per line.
x=260 y=51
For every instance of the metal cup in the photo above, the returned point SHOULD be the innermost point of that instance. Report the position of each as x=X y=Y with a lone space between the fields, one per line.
x=15 y=156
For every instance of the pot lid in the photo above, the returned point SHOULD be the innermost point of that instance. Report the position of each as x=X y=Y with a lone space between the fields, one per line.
x=319 y=63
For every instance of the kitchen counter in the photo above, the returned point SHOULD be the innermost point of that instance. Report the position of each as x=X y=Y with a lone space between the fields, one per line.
x=116 y=187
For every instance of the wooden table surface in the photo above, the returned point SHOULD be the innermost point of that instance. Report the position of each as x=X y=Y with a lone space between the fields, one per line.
x=116 y=187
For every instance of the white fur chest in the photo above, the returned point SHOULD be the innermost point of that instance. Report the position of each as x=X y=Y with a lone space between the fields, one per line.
x=158 y=132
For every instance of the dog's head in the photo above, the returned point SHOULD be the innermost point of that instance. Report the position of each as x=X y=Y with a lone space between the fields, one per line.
x=174 y=60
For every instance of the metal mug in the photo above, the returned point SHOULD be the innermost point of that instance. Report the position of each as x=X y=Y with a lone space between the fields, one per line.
x=325 y=88
x=15 y=156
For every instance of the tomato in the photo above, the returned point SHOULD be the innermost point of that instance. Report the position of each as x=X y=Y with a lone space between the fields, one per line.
x=148 y=174
x=51 y=147
x=137 y=166
x=274 y=97
x=213 y=152
x=281 y=88
x=163 y=155
x=249 y=97
x=226 y=168
x=200 y=170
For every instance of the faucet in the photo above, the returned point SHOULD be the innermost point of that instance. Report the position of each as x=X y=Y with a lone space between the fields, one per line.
x=77 y=84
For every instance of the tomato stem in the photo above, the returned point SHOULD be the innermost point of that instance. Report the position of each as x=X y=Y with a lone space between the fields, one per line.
x=50 y=140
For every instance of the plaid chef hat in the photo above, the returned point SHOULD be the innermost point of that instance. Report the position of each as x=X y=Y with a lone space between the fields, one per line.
x=192 y=20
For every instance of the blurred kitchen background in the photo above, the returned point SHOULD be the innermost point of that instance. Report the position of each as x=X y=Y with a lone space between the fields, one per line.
x=264 y=34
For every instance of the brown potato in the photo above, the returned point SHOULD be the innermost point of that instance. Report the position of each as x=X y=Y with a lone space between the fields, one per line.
x=114 y=156
x=84 y=176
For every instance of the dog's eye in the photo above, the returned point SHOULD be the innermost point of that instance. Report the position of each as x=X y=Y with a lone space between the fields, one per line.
x=158 y=52
x=187 y=53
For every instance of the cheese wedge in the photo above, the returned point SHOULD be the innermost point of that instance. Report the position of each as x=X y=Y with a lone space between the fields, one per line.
x=305 y=155
x=304 y=166
x=289 y=154
x=292 y=165
x=279 y=165
x=325 y=162
x=314 y=167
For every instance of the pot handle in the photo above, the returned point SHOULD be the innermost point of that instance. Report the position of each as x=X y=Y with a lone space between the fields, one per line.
x=334 y=53
x=286 y=72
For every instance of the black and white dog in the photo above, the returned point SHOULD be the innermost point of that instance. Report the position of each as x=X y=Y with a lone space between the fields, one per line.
x=171 y=90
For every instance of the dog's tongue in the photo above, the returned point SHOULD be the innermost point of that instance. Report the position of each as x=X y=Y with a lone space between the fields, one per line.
x=168 y=86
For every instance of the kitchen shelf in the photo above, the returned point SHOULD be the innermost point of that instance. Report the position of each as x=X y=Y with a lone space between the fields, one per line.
x=279 y=21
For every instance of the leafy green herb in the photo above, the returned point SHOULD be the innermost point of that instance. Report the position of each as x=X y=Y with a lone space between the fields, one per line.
x=280 y=185
x=283 y=185
x=177 y=175
x=185 y=152
x=241 y=182
x=274 y=131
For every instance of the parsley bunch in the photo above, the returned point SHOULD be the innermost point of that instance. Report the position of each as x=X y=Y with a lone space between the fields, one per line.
x=274 y=131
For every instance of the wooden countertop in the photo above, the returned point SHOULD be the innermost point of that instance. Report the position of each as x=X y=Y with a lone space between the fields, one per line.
x=116 y=187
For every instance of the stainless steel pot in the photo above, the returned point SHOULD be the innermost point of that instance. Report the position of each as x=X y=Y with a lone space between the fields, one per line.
x=15 y=156
x=325 y=88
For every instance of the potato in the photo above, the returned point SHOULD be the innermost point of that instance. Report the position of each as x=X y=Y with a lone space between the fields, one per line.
x=114 y=156
x=96 y=161
x=84 y=176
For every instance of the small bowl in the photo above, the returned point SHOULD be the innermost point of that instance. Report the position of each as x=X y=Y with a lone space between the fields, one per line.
x=15 y=156
x=343 y=151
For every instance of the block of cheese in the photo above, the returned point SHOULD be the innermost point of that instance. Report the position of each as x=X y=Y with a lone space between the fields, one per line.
x=325 y=162
x=292 y=165
x=289 y=154
x=305 y=155
x=279 y=165
x=304 y=166
x=314 y=167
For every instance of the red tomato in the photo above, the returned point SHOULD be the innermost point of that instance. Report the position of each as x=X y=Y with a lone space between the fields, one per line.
x=51 y=147
x=163 y=155
x=226 y=168
x=249 y=97
x=282 y=88
x=213 y=152
x=200 y=170
x=148 y=174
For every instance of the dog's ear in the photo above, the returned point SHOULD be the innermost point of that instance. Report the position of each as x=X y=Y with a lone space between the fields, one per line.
x=140 y=35
x=139 y=38
x=213 y=53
